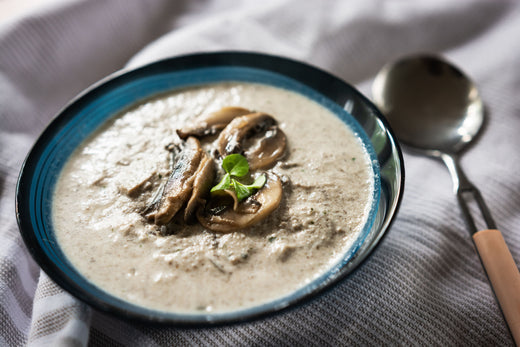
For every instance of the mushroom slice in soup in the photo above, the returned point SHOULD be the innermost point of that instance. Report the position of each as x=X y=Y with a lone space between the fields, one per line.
x=201 y=186
x=210 y=124
x=178 y=189
x=224 y=216
x=255 y=135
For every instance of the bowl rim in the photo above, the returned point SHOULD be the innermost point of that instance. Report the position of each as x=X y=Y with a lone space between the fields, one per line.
x=256 y=60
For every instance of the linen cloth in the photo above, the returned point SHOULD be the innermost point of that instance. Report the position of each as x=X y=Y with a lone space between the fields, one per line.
x=424 y=285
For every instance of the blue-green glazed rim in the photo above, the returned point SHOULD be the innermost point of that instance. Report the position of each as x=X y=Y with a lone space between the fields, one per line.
x=107 y=98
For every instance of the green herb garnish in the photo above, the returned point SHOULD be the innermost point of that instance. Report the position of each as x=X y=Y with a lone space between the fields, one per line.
x=223 y=184
x=236 y=165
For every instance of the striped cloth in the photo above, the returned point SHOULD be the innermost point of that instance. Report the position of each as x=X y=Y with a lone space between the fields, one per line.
x=423 y=286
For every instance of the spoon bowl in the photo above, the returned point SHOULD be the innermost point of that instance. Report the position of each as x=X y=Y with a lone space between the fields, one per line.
x=431 y=105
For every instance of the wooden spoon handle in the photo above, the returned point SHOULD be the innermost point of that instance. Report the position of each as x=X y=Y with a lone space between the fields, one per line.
x=503 y=275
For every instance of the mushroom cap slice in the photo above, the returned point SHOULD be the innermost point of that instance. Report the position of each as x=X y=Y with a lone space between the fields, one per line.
x=249 y=212
x=179 y=186
x=257 y=136
x=201 y=186
x=210 y=124
x=263 y=152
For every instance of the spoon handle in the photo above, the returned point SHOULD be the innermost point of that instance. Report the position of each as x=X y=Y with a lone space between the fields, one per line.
x=491 y=247
x=503 y=275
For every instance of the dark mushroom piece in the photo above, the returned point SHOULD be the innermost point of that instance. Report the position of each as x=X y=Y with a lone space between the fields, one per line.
x=256 y=136
x=232 y=216
x=210 y=124
x=201 y=186
x=178 y=189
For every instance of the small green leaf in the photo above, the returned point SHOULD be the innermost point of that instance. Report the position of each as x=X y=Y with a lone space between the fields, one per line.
x=241 y=190
x=258 y=183
x=235 y=165
x=224 y=183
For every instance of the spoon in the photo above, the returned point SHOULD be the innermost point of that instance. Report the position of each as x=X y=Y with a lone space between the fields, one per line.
x=436 y=110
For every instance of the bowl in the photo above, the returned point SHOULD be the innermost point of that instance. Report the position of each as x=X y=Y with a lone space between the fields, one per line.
x=83 y=115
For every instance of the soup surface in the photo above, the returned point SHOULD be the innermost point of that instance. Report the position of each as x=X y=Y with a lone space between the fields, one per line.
x=327 y=182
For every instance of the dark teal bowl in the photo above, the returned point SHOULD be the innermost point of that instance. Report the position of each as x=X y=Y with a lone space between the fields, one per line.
x=82 y=116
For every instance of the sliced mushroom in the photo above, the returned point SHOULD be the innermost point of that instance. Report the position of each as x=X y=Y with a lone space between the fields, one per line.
x=210 y=124
x=256 y=136
x=179 y=186
x=223 y=199
x=225 y=218
x=201 y=186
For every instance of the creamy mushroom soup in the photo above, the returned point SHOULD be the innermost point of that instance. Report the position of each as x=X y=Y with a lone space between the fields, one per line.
x=117 y=220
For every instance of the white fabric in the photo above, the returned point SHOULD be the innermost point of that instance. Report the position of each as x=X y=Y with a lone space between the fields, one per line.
x=424 y=285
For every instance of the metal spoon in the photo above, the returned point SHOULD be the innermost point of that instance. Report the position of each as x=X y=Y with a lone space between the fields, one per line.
x=436 y=110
